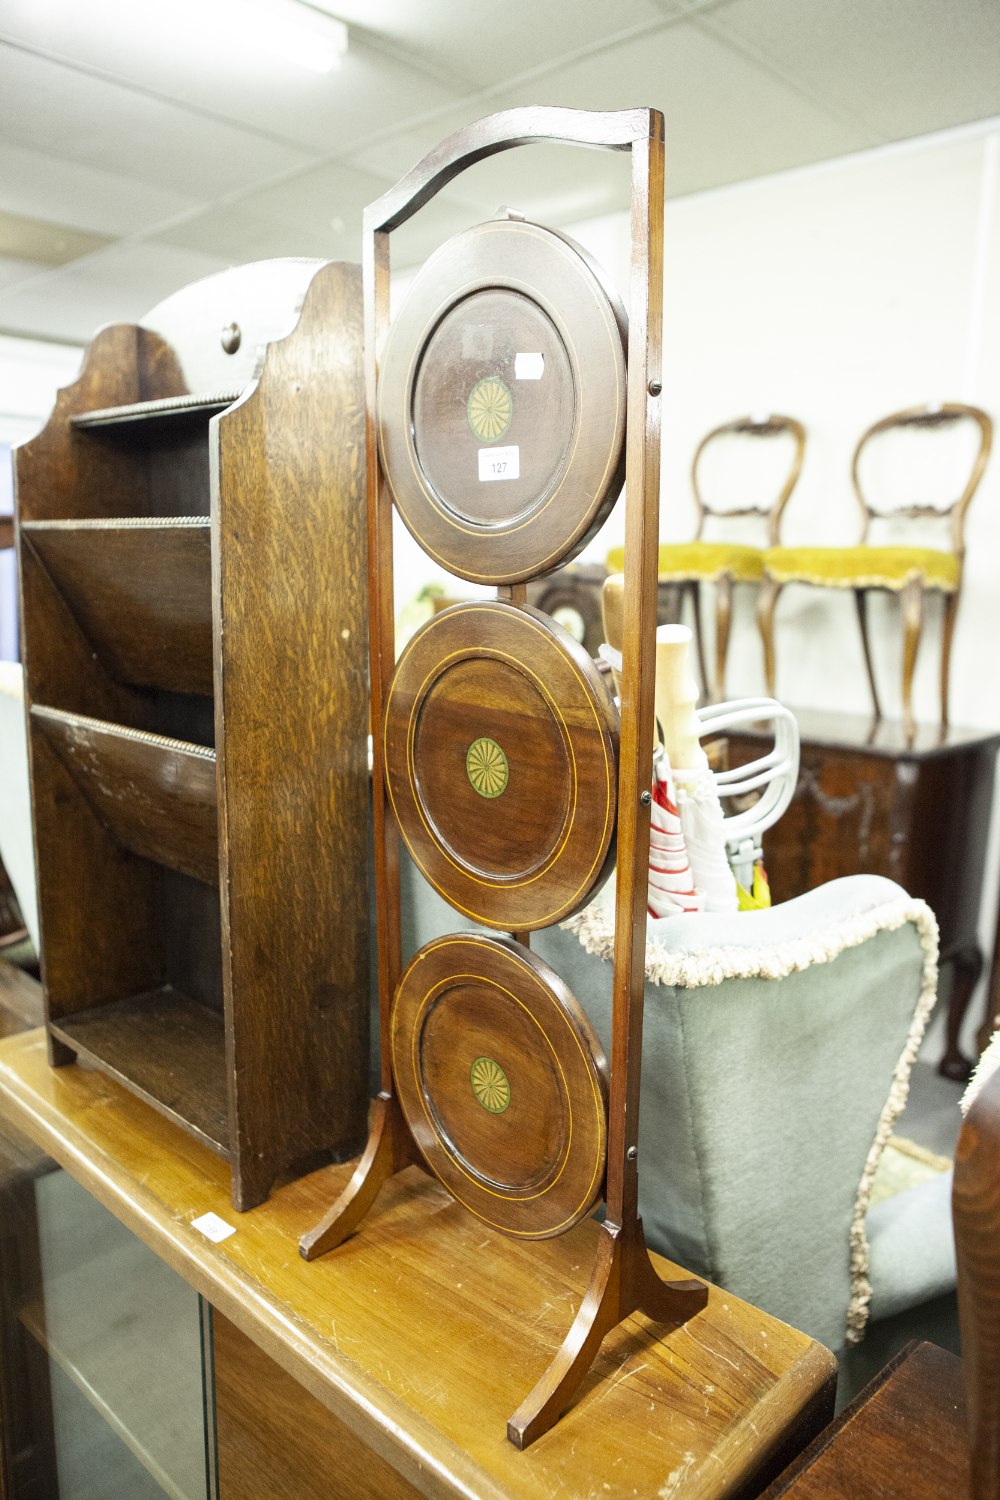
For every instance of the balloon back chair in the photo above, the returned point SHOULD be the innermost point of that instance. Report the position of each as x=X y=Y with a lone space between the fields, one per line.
x=683 y=568
x=907 y=570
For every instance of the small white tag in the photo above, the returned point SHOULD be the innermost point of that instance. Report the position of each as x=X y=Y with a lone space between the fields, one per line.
x=499 y=463
x=529 y=366
x=213 y=1228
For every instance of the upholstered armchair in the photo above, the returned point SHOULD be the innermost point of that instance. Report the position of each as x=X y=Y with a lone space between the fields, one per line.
x=777 y=1047
x=717 y=555
x=909 y=570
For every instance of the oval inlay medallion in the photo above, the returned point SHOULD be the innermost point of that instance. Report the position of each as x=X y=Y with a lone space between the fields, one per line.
x=486 y=767
x=489 y=409
x=489 y=1084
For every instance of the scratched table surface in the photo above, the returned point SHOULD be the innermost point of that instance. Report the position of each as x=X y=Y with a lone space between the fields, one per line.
x=425 y=1330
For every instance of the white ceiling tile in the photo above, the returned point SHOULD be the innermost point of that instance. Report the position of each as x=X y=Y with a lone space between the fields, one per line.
x=161 y=50
x=313 y=213
x=62 y=112
x=725 y=119
x=495 y=42
x=13 y=270
x=118 y=285
x=48 y=187
x=903 y=67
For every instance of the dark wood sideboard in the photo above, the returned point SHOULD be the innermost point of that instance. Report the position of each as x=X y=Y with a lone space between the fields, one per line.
x=871 y=800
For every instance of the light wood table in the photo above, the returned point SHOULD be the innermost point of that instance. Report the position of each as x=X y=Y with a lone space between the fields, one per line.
x=419 y=1336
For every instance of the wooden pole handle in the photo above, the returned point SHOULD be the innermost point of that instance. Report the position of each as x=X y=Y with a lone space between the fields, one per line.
x=676 y=698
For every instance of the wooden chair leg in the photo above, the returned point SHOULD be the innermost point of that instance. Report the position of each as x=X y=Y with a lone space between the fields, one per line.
x=861 y=601
x=913 y=622
x=694 y=588
x=766 y=601
x=966 y=966
x=723 y=619
x=669 y=603
x=947 y=635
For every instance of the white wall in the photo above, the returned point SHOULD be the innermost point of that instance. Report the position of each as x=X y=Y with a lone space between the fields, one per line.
x=838 y=294
x=30 y=374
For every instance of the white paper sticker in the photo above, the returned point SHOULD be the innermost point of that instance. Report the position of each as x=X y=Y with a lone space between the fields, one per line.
x=529 y=366
x=499 y=463
x=213 y=1228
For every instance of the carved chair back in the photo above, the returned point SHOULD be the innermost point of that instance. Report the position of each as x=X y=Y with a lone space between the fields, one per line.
x=928 y=418
x=769 y=426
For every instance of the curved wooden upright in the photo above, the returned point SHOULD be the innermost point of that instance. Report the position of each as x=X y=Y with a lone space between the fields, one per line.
x=500 y=422
x=976 y=1211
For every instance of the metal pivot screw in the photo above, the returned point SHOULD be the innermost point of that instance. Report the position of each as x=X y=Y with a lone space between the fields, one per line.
x=632 y=1153
x=645 y=798
x=231 y=337
x=654 y=387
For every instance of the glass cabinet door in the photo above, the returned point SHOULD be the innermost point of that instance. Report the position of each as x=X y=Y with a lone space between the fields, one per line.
x=105 y=1353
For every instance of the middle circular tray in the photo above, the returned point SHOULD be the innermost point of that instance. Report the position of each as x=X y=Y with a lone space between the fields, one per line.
x=501 y=763
x=503 y=1083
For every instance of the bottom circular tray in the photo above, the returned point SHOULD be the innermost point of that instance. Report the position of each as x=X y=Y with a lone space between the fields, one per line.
x=503 y=1083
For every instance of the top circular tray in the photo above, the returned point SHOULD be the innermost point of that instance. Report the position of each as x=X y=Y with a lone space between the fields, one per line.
x=501 y=402
x=501 y=762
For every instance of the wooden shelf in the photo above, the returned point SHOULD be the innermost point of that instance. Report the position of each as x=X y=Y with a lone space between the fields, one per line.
x=157 y=796
x=169 y=409
x=141 y=590
x=191 y=584
x=167 y=1049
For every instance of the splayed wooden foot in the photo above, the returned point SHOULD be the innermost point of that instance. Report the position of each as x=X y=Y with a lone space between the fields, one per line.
x=623 y=1282
x=390 y=1148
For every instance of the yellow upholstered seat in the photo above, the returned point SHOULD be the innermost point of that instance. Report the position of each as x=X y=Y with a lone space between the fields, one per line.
x=684 y=567
x=910 y=572
x=864 y=567
x=703 y=560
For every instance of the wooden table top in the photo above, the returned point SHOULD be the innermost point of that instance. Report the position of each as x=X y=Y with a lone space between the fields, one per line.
x=905 y=1435
x=424 y=1331
x=823 y=729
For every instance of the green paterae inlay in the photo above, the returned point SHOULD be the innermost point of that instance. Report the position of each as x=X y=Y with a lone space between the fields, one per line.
x=489 y=1084
x=489 y=409
x=486 y=767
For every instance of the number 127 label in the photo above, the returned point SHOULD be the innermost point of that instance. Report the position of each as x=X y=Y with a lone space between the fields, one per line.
x=499 y=463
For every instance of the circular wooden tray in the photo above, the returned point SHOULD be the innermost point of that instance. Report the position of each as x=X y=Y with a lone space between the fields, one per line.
x=501 y=402
x=503 y=1083
x=501 y=760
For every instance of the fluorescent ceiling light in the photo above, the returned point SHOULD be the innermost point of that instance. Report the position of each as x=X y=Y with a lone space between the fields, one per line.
x=291 y=29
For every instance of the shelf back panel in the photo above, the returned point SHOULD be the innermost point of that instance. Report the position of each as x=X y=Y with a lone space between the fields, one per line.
x=166 y=1048
x=65 y=472
x=142 y=594
x=156 y=796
